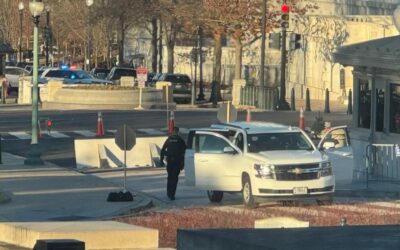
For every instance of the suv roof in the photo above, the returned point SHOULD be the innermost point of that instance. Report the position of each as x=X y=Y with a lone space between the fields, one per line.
x=258 y=127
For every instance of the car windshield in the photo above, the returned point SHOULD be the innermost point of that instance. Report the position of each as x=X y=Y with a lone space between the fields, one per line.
x=80 y=74
x=40 y=72
x=123 y=72
x=98 y=71
x=277 y=141
x=58 y=73
x=177 y=78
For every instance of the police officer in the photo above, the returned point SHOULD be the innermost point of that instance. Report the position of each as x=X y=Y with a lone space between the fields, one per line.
x=174 y=149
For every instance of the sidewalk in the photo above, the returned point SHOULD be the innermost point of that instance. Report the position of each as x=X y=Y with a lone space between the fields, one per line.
x=51 y=193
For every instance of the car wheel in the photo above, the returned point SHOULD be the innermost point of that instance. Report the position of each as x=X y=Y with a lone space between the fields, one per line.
x=248 y=198
x=215 y=196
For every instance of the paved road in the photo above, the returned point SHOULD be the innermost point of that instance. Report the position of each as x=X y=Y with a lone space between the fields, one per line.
x=152 y=183
x=15 y=126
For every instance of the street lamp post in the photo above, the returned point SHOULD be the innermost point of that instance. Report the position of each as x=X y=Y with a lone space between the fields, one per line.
x=47 y=33
x=20 y=8
x=87 y=59
x=36 y=9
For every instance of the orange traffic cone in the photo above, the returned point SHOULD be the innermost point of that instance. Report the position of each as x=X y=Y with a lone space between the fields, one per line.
x=171 y=123
x=248 y=116
x=100 y=127
x=301 y=119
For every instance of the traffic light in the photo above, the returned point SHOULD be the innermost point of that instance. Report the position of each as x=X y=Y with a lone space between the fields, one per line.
x=274 y=40
x=285 y=16
x=49 y=124
x=295 y=41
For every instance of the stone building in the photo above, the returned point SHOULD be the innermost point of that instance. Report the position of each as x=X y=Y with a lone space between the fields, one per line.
x=313 y=67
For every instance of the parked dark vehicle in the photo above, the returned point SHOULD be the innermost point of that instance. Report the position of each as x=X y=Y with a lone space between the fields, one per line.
x=117 y=72
x=100 y=73
x=152 y=82
x=181 y=85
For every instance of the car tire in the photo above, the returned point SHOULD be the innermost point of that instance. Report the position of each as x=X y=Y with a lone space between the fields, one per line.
x=248 y=198
x=215 y=196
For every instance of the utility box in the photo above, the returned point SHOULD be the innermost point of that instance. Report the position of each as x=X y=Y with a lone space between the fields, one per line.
x=65 y=244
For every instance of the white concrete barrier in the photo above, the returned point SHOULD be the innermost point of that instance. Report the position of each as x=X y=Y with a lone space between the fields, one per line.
x=94 y=153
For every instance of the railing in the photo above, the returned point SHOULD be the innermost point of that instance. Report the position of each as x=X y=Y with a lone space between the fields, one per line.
x=383 y=163
x=260 y=97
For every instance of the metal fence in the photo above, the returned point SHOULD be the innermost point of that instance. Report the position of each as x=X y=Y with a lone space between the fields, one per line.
x=383 y=163
x=260 y=97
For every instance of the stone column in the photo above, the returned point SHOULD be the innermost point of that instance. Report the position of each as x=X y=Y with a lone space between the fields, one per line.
x=237 y=86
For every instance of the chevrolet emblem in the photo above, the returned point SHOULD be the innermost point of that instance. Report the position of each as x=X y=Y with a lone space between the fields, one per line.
x=297 y=171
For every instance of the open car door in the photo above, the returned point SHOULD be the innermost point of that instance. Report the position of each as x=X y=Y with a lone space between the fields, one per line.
x=336 y=144
x=213 y=159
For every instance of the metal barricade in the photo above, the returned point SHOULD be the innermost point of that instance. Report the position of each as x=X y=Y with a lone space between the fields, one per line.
x=383 y=163
x=260 y=97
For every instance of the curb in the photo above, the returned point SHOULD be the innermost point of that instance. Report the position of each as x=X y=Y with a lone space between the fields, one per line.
x=366 y=193
x=119 y=169
x=144 y=204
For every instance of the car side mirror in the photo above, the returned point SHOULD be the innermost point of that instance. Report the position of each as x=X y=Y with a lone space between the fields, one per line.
x=229 y=150
x=328 y=145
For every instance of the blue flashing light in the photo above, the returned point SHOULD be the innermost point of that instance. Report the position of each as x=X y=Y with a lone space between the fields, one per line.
x=64 y=66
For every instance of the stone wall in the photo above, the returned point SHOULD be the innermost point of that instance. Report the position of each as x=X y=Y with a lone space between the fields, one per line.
x=56 y=95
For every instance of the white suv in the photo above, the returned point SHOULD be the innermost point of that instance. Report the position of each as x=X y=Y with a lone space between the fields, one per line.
x=262 y=160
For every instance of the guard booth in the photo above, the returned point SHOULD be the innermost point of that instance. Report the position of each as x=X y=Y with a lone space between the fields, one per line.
x=375 y=133
x=5 y=49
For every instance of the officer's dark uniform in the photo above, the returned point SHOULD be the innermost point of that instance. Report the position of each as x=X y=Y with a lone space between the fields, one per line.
x=174 y=148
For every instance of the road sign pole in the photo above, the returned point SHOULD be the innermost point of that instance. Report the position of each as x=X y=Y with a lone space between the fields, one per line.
x=141 y=74
x=125 y=158
x=125 y=139
x=140 y=99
